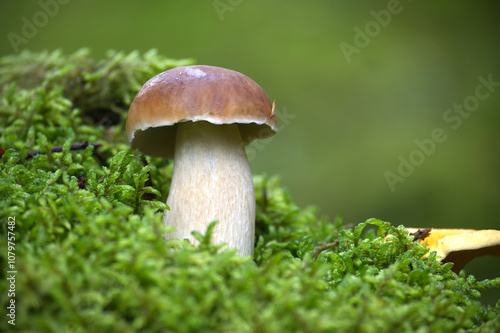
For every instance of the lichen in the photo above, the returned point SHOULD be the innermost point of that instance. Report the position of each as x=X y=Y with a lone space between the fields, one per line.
x=90 y=249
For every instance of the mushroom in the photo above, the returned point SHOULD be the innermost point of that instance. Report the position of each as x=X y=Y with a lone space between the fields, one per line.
x=203 y=116
x=458 y=245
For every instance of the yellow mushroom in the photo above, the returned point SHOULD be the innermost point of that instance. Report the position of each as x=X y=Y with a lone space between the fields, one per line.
x=458 y=246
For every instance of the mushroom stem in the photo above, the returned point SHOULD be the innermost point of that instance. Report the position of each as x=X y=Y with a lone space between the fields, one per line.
x=212 y=181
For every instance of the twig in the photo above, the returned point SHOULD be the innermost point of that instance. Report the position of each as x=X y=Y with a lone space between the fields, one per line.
x=74 y=146
x=421 y=234
x=81 y=183
x=57 y=149
x=323 y=247
x=317 y=250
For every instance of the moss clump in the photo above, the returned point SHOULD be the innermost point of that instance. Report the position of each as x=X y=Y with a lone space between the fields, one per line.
x=89 y=249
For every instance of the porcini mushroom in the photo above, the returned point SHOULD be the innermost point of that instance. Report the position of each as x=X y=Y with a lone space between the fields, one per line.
x=459 y=246
x=203 y=116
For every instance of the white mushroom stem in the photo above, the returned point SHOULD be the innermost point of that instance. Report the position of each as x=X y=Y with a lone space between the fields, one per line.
x=212 y=181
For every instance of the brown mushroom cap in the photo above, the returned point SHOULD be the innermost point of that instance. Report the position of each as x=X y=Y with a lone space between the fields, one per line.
x=197 y=93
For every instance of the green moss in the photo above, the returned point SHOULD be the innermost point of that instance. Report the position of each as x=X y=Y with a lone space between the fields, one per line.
x=89 y=245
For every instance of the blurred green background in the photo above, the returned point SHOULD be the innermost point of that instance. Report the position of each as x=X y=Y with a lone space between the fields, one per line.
x=344 y=121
